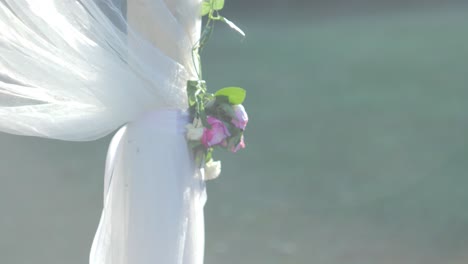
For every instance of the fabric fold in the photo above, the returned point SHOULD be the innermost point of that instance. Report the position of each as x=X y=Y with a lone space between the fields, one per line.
x=68 y=63
x=153 y=204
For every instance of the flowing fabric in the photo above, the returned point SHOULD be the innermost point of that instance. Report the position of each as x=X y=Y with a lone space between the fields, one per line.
x=78 y=70
x=153 y=209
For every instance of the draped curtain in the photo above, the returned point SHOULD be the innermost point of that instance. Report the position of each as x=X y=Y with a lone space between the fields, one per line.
x=77 y=70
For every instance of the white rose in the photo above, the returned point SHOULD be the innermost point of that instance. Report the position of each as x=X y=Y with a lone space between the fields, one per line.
x=194 y=133
x=212 y=170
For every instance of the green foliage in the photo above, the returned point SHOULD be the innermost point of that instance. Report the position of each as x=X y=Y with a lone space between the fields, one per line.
x=211 y=6
x=208 y=154
x=211 y=9
x=196 y=91
x=203 y=104
x=206 y=8
x=235 y=95
x=218 y=4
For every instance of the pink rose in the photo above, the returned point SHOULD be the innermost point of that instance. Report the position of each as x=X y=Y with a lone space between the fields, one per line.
x=216 y=135
x=241 y=145
x=241 y=118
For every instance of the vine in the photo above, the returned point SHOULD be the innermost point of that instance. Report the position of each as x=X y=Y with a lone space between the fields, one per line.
x=219 y=119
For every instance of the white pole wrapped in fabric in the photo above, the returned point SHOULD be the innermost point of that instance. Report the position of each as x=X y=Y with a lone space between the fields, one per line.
x=78 y=70
x=153 y=203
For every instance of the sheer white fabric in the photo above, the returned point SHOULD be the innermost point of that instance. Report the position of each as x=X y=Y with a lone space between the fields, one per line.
x=79 y=69
x=153 y=209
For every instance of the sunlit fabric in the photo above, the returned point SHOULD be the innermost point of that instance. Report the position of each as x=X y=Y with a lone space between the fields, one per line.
x=78 y=70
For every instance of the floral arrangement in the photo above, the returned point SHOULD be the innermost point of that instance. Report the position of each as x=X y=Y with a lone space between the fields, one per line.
x=219 y=119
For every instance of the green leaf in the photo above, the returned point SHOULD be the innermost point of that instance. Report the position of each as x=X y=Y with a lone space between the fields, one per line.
x=205 y=8
x=192 y=86
x=208 y=154
x=203 y=119
x=218 y=4
x=233 y=26
x=236 y=95
x=192 y=102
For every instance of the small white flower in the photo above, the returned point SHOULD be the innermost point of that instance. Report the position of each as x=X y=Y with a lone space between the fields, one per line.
x=194 y=133
x=212 y=170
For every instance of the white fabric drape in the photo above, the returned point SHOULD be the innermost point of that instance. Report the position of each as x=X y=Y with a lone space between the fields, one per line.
x=153 y=200
x=79 y=69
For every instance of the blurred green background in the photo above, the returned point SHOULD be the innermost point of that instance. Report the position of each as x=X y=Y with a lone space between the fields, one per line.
x=357 y=146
